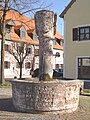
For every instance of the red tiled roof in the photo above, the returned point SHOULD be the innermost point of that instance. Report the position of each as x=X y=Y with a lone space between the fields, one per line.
x=66 y=9
x=20 y=20
x=58 y=35
x=29 y=24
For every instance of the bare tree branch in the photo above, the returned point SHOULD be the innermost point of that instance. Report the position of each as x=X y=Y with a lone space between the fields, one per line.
x=22 y=7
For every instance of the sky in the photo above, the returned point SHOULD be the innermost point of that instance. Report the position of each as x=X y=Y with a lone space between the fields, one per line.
x=58 y=6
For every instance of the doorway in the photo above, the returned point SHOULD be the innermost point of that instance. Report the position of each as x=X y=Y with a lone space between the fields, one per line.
x=84 y=68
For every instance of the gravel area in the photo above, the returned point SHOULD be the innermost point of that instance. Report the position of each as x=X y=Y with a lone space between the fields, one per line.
x=8 y=112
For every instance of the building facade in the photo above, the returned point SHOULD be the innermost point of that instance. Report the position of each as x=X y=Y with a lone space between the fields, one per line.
x=20 y=29
x=77 y=39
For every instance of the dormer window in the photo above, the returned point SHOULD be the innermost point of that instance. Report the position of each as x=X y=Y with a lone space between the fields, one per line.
x=23 y=33
x=54 y=42
x=20 y=31
x=61 y=42
x=9 y=24
x=31 y=35
x=8 y=28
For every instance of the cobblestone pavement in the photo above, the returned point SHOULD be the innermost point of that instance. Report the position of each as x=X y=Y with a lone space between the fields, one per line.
x=8 y=112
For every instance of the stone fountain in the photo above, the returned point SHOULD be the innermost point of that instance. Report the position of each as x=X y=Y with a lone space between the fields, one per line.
x=45 y=94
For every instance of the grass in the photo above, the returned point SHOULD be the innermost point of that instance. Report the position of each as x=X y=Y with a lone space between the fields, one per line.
x=85 y=102
x=5 y=84
x=83 y=112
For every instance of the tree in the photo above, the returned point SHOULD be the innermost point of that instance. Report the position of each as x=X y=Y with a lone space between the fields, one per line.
x=20 y=51
x=20 y=6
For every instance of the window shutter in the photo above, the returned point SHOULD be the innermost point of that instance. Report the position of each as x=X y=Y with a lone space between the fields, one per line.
x=75 y=34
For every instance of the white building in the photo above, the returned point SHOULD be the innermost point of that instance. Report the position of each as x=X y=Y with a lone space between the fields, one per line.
x=21 y=29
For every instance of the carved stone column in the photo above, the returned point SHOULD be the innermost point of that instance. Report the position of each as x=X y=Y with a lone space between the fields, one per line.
x=45 y=24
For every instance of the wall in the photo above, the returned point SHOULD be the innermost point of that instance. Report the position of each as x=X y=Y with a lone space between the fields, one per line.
x=77 y=15
x=0 y=59
x=31 y=96
x=57 y=60
x=10 y=73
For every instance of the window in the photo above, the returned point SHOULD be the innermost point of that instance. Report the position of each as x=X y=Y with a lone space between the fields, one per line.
x=81 y=33
x=36 y=52
x=29 y=50
x=8 y=28
x=27 y=65
x=23 y=34
x=7 y=47
x=6 y=65
x=84 y=33
x=57 y=54
x=18 y=66
x=84 y=68
x=57 y=66
x=61 y=42
x=54 y=42
x=20 y=49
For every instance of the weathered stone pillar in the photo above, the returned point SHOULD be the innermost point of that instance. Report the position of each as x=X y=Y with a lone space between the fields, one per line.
x=45 y=24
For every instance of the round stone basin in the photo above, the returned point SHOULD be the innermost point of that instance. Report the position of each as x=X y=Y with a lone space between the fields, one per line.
x=41 y=96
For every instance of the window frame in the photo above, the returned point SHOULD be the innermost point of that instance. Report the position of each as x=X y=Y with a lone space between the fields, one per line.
x=6 y=65
x=8 y=28
x=20 y=49
x=36 y=52
x=77 y=33
x=54 y=42
x=84 y=68
x=18 y=66
x=29 y=50
x=56 y=66
x=27 y=64
x=23 y=33
x=7 y=47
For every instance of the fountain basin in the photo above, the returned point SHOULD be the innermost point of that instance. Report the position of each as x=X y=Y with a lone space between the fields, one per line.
x=43 y=96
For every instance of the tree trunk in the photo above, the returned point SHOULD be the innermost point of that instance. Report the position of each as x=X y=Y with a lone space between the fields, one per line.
x=33 y=62
x=2 y=59
x=20 y=70
x=2 y=44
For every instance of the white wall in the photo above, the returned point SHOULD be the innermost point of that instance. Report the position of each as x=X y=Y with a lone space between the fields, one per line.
x=57 y=60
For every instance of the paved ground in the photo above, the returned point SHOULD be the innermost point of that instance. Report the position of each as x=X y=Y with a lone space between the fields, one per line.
x=8 y=112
